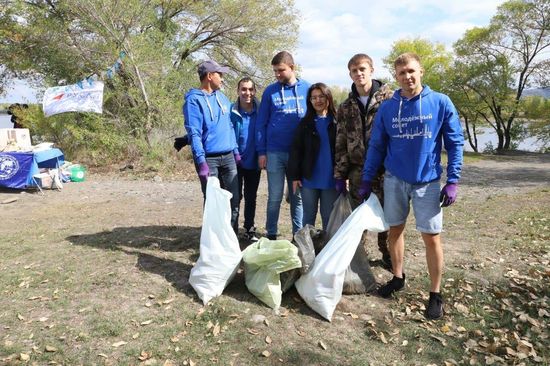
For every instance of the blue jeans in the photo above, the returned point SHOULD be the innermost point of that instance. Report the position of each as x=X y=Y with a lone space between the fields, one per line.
x=311 y=198
x=224 y=168
x=250 y=179
x=277 y=163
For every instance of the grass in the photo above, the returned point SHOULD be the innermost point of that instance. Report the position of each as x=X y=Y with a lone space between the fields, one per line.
x=85 y=289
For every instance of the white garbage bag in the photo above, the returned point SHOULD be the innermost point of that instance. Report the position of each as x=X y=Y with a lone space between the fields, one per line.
x=220 y=254
x=321 y=287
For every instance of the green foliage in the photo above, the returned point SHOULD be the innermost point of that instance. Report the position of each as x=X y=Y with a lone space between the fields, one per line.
x=499 y=61
x=163 y=42
x=434 y=57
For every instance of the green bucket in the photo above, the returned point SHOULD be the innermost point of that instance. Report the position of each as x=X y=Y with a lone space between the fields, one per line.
x=78 y=173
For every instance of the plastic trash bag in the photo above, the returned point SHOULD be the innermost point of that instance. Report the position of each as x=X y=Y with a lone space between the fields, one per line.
x=305 y=239
x=358 y=278
x=220 y=254
x=321 y=287
x=263 y=262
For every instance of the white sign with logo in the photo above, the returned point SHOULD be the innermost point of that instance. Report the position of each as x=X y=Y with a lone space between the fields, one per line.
x=81 y=97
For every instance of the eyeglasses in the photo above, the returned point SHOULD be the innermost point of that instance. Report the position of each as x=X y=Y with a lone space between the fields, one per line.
x=318 y=97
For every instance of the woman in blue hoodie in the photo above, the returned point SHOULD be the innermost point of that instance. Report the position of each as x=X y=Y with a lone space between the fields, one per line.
x=311 y=162
x=243 y=117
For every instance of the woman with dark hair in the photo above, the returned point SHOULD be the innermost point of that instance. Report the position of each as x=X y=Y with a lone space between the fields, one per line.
x=311 y=162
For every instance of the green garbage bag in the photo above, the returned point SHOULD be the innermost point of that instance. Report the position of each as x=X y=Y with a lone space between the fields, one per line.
x=263 y=262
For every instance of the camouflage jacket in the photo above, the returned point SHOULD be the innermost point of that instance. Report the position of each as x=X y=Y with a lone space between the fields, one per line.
x=354 y=128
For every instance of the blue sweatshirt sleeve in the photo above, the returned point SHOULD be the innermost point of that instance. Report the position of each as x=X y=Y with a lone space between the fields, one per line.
x=453 y=139
x=377 y=150
x=262 y=121
x=193 y=124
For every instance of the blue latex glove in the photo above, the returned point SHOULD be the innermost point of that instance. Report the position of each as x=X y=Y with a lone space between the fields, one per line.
x=203 y=172
x=365 y=189
x=448 y=194
x=340 y=186
x=238 y=159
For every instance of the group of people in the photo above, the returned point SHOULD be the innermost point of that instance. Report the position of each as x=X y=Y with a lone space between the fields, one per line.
x=377 y=141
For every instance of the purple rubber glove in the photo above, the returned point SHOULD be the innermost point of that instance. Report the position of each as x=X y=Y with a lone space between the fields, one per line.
x=340 y=186
x=238 y=159
x=448 y=194
x=203 y=172
x=365 y=189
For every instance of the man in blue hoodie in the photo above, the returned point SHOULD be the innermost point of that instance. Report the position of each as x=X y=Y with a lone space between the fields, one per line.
x=283 y=105
x=243 y=116
x=207 y=120
x=408 y=134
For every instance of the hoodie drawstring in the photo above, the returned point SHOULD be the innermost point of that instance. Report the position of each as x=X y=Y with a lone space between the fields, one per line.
x=295 y=89
x=399 y=112
x=210 y=107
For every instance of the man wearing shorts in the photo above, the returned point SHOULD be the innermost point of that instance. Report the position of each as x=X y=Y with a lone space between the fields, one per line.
x=408 y=134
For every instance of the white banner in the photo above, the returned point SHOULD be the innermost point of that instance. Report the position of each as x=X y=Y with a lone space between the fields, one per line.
x=82 y=97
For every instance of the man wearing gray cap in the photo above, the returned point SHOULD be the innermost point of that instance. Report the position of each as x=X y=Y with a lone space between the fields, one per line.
x=206 y=112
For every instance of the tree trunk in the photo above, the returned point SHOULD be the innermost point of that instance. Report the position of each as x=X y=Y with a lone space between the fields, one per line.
x=472 y=140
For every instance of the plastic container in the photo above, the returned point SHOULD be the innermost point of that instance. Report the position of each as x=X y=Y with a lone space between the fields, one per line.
x=78 y=173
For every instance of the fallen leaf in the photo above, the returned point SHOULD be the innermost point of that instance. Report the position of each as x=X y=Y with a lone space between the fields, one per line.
x=144 y=356
x=216 y=330
x=118 y=344
x=382 y=338
x=102 y=355
x=301 y=333
x=252 y=331
x=148 y=304
x=461 y=329
x=20 y=317
x=147 y=322
x=43 y=319
x=405 y=342
x=445 y=329
x=151 y=296
x=168 y=363
x=165 y=302
x=174 y=339
x=51 y=349
x=322 y=345
x=266 y=353
x=266 y=322
x=135 y=335
x=440 y=339
x=268 y=340
x=24 y=357
x=191 y=362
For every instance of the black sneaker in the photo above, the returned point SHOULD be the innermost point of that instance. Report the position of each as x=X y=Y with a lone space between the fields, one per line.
x=250 y=234
x=393 y=285
x=435 y=306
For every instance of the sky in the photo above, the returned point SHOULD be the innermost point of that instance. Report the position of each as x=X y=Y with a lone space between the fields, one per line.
x=331 y=31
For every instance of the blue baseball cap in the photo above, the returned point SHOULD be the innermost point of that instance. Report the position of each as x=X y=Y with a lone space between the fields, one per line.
x=211 y=66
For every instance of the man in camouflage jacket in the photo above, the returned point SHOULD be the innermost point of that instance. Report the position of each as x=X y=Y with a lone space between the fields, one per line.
x=355 y=117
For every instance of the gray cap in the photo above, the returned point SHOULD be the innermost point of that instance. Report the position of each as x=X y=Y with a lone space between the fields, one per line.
x=211 y=66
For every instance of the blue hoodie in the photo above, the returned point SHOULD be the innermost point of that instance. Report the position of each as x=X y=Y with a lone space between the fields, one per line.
x=408 y=135
x=280 y=112
x=208 y=124
x=244 y=124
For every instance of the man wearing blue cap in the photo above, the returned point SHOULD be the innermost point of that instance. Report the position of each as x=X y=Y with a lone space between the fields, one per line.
x=207 y=121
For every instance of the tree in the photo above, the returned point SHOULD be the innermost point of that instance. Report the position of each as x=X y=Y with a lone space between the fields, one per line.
x=162 y=41
x=435 y=59
x=499 y=61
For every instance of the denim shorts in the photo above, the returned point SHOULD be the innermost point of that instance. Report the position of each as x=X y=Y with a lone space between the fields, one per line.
x=425 y=202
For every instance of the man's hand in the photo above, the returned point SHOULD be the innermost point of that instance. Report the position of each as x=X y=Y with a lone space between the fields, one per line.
x=203 y=172
x=365 y=189
x=340 y=186
x=448 y=194
x=238 y=160
x=295 y=185
x=262 y=161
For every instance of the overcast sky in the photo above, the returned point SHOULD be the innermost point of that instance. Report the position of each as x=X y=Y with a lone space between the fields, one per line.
x=333 y=31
